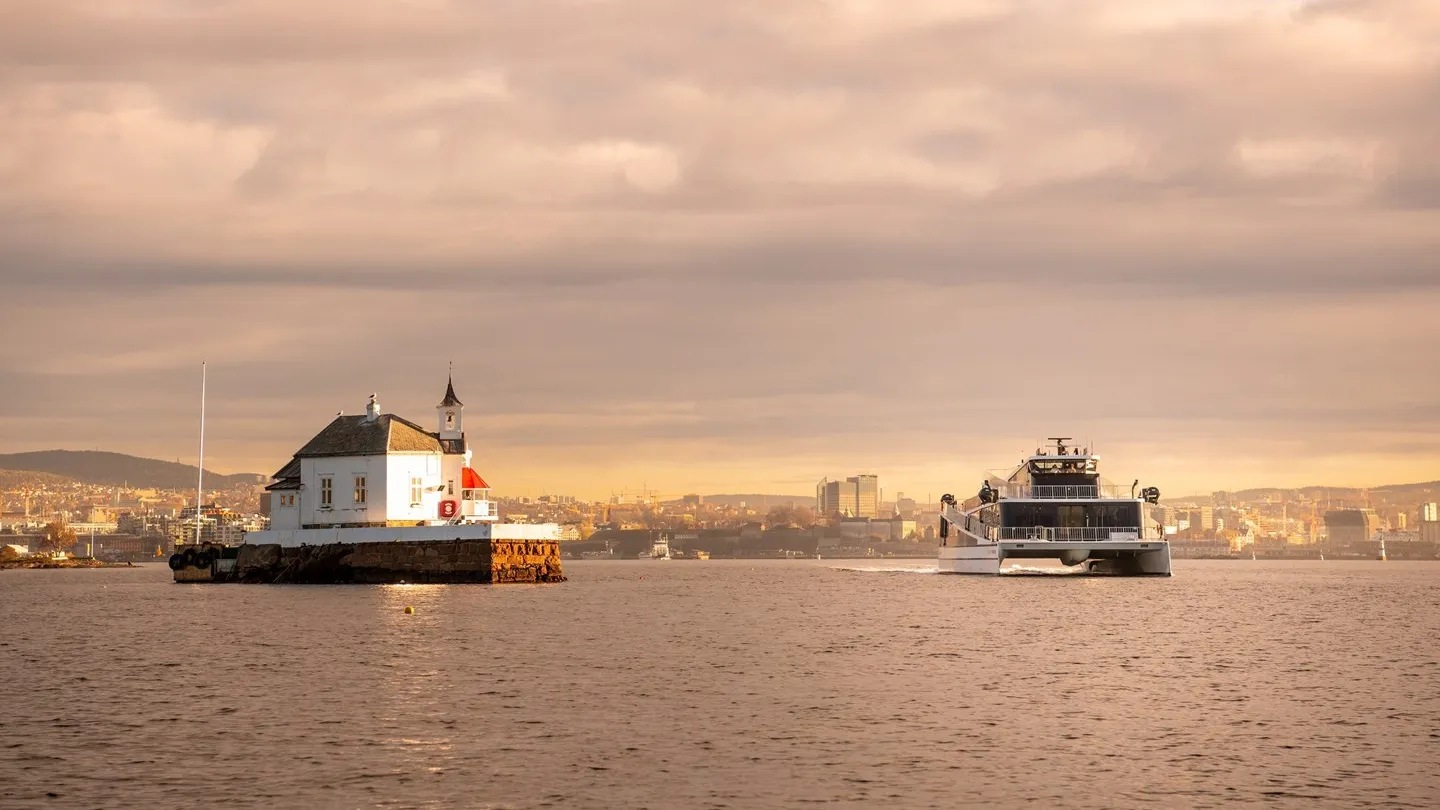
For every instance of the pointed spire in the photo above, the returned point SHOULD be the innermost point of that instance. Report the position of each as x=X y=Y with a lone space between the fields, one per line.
x=450 y=399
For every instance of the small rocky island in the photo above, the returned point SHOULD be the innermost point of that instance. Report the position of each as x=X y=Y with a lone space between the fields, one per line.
x=46 y=561
x=376 y=498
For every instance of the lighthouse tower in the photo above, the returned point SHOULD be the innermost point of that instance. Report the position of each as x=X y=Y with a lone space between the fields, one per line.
x=451 y=413
x=473 y=493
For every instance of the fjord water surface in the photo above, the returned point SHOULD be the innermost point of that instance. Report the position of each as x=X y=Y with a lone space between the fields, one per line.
x=728 y=684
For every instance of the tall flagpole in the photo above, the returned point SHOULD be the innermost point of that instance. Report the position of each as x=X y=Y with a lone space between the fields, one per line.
x=200 y=481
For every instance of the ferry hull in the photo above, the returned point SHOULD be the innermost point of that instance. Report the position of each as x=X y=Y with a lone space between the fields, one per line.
x=1116 y=558
x=970 y=559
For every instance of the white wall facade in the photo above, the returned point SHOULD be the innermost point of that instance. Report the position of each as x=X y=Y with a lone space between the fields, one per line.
x=389 y=490
x=342 y=472
x=403 y=468
x=283 y=513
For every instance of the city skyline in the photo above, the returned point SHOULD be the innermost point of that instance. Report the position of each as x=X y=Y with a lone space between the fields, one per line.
x=732 y=248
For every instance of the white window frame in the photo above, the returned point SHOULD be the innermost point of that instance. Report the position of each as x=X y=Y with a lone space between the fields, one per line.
x=327 y=492
x=417 y=490
x=360 y=493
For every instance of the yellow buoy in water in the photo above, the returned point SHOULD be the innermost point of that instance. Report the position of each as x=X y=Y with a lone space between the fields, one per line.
x=409 y=609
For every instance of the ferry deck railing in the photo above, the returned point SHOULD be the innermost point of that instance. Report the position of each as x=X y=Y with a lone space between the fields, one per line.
x=1068 y=534
x=1075 y=492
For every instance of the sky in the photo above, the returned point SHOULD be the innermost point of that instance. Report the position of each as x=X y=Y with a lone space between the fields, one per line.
x=731 y=247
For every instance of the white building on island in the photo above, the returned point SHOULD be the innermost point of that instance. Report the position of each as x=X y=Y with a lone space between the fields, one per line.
x=376 y=477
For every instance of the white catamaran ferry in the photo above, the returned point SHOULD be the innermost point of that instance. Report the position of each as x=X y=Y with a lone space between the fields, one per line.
x=1054 y=505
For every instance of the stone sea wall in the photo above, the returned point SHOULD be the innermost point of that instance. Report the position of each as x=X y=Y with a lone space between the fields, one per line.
x=429 y=561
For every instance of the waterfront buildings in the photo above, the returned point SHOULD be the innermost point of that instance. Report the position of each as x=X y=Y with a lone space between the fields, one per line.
x=1351 y=526
x=857 y=496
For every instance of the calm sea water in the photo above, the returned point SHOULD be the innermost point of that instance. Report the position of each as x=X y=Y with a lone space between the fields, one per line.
x=728 y=684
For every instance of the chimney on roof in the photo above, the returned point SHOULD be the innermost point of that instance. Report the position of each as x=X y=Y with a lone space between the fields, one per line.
x=372 y=410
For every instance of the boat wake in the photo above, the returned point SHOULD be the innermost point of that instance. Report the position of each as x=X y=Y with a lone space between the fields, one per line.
x=930 y=569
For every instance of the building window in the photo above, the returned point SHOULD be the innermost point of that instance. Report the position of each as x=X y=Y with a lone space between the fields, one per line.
x=449 y=419
x=326 y=492
x=417 y=487
x=360 y=489
x=450 y=487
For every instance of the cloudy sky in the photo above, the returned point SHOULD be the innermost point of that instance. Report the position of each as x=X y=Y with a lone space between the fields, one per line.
x=731 y=246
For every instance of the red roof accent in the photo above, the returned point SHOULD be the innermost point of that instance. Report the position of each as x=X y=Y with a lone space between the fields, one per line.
x=469 y=479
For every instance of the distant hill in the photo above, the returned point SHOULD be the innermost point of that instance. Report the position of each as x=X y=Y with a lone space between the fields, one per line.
x=118 y=469
x=11 y=480
x=1390 y=492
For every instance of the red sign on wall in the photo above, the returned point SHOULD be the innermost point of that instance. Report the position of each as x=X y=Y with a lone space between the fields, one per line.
x=448 y=509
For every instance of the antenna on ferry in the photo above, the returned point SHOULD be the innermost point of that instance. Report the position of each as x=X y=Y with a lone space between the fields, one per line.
x=200 y=480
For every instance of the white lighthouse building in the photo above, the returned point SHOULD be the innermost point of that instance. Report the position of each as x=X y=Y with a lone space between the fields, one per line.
x=377 y=477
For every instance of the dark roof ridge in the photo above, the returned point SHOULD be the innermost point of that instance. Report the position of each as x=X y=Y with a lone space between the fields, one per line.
x=450 y=398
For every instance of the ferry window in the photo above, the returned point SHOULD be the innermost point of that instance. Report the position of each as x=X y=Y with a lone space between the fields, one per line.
x=416 y=487
x=326 y=491
x=360 y=489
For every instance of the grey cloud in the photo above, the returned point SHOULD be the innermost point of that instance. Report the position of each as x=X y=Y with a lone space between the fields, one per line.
x=728 y=229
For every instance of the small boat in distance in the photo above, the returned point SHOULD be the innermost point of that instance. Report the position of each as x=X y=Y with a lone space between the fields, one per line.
x=659 y=550
x=1054 y=505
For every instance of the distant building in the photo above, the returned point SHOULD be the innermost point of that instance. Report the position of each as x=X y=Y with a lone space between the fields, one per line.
x=129 y=544
x=857 y=529
x=1350 y=526
x=857 y=496
x=693 y=500
x=827 y=497
x=1400 y=521
x=1430 y=512
x=1201 y=519
x=1430 y=531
